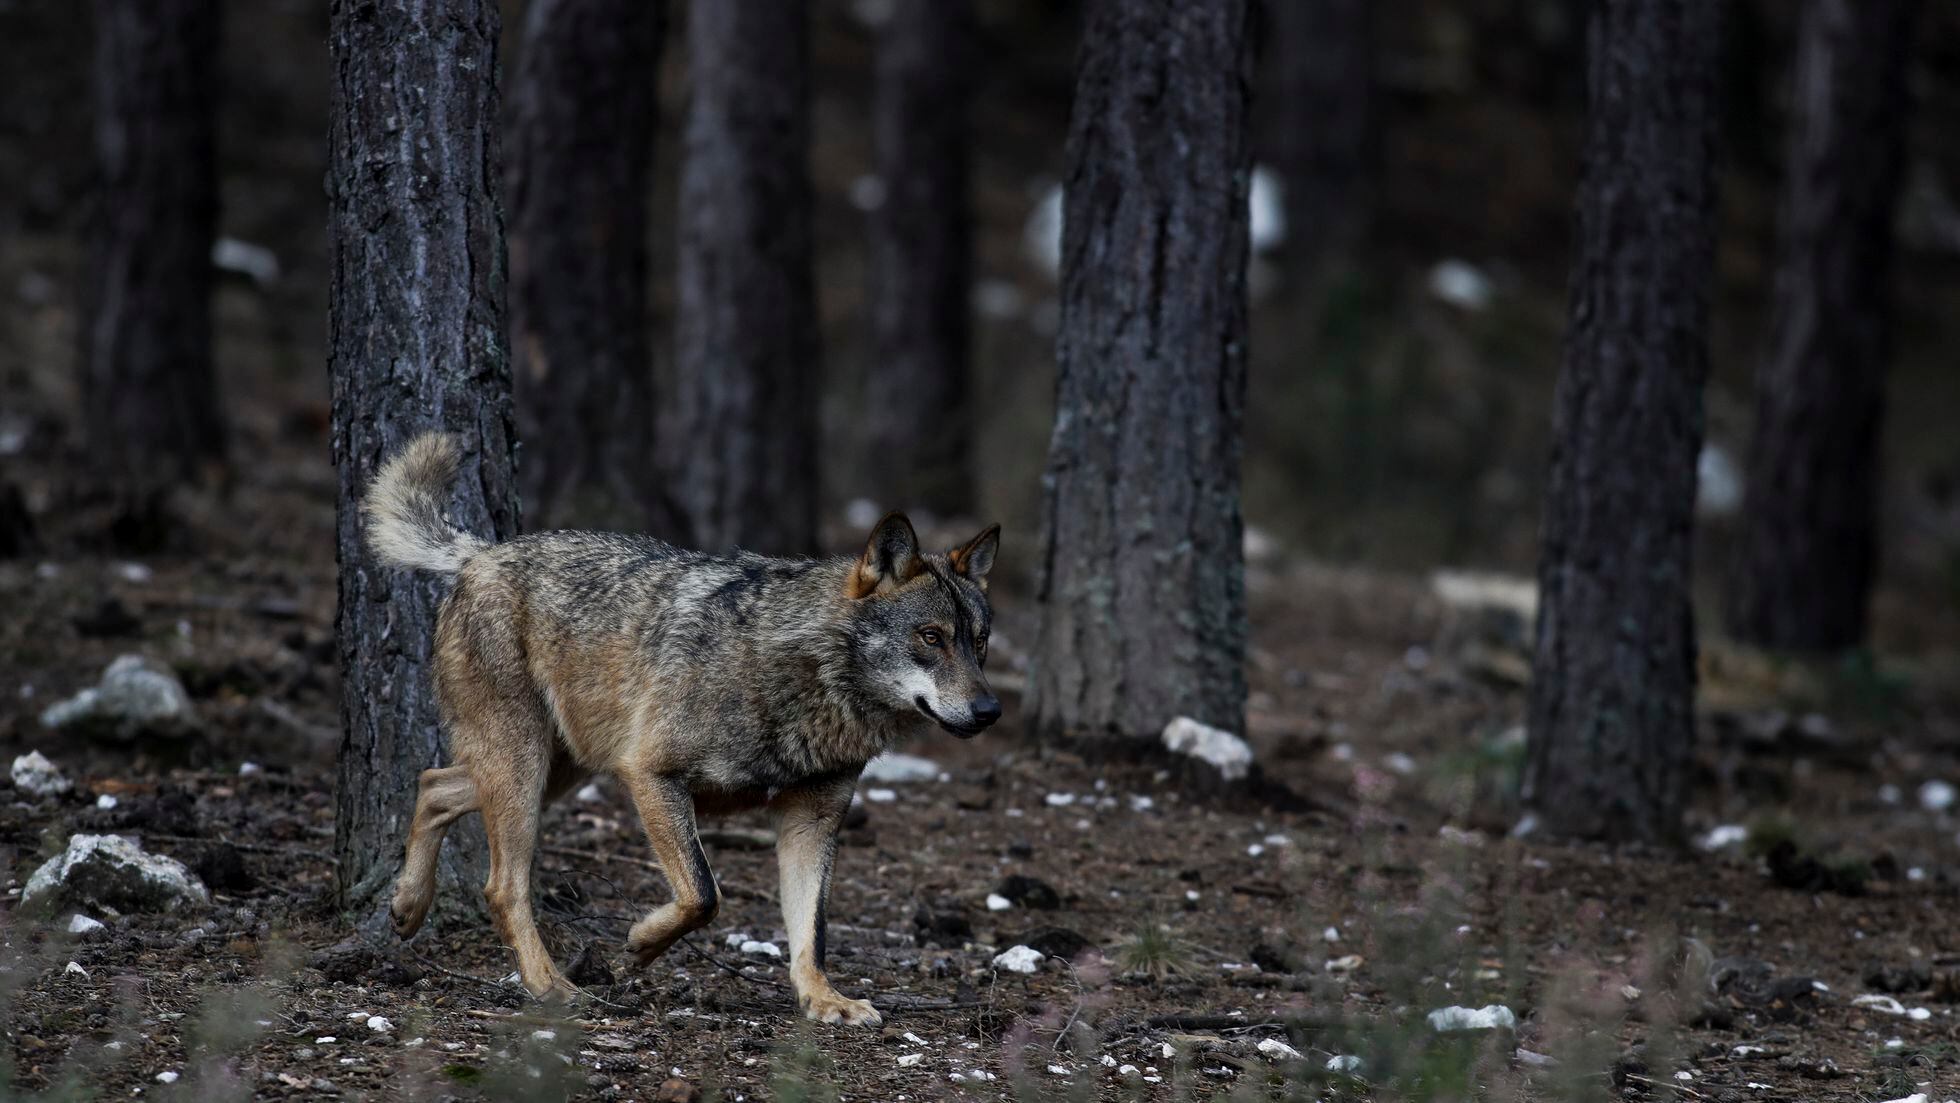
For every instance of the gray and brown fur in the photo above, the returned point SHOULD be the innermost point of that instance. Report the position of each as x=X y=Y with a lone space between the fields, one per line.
x=704 y=683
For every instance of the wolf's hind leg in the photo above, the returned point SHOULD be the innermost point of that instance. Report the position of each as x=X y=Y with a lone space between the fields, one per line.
x=512 y=795
x=806 y=848
x=446 y=794
x=667 y=809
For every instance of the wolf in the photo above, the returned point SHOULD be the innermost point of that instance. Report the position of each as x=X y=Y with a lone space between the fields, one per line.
x=704 y=683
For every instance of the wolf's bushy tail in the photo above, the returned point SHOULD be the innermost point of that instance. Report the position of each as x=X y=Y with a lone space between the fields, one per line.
x=405 y=524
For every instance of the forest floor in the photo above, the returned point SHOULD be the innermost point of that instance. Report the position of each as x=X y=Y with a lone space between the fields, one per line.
x=1393 y=887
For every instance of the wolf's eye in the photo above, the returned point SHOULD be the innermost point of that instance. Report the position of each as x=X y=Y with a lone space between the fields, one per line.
x=930 y=637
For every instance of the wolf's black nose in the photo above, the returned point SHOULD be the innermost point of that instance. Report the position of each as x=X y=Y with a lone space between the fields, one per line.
x=986 y=709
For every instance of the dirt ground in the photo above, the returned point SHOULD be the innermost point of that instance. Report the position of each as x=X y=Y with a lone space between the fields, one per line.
x=1207 y=922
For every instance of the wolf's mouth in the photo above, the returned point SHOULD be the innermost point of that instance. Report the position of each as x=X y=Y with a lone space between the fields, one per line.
x=964 y=731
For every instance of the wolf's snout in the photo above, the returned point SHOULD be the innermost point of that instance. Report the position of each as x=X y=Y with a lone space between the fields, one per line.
x=985 y=709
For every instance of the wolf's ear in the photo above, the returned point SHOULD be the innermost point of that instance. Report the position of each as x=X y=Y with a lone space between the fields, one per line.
x=891 y=558
x=977 y=558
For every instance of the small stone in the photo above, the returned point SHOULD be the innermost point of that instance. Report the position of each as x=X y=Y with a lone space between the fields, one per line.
x=880 y=796
x=765 y=949
x=1936 y=796
x=907 y=1060
x=998 y=903
x=1344 y=1063
x=166 y=1077
x=1226 y=752
x=83 y=926
x=1278 y=1050
x=136 y=697
x=892 y=768
x=35 y=775
x=1019 y=959
x=75 y=969
x=379 y=1024
x=1345 y=964
x=106 y=801
x=111 y=871
x=250 y=769
x=1489 y=1017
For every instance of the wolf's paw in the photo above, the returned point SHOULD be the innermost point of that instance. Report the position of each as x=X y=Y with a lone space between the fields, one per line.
x=829 y=1007
x=406 y=914
x=558 y=990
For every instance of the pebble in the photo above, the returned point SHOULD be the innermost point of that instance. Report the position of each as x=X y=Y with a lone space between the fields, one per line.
x=34 y=774
x=1019 y=959
x=1728 y=834
x=106 y=801
x=75 y=967
x=892 y=768
x=1488 y=1017
x=1331 y=934
x=166 y=1077
x=79 y=924
x=1936 y=796
x=1229 y=754
x=766 y=949
x=379 y=1024
x=250 y=769
x=1345 y=964
x=1278 y=1050
x=998 y=903
x=880 y=796
x=907 y=1060
x=1345 y=1062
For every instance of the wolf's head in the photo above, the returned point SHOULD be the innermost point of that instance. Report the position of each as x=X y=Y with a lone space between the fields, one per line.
x=920 y=623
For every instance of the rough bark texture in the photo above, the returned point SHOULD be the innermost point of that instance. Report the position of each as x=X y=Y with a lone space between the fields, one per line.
x=1804 y=569
x=1325 y=140
x=919 y=420
x=417 y=343
x=149 y=400
x=1612 y=693
x=742 y=448
x=1142 y=589
x=581 y=175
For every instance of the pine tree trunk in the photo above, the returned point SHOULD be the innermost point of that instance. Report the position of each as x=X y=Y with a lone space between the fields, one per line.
x=920 y=426
x=742 y=449
x=1142 y=593
x=581 y=176
x=1612 y=694
x=149 y=399
x=417 y=343
x=1326 y=140
x=1803 y=572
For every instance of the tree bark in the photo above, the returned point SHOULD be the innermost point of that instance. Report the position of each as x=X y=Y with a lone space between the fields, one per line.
x=586 y=112
x=418 y=342
x=1803 y=572
x=742 y=452
x=149 y=398
x=920 y=423
x=1326 y=127
x=1612 y=694
x=1142 y=592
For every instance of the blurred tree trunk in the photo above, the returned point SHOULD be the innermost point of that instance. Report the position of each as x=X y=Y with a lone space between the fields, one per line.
x=742 y=449
x=1142 y=592
x=1325 y=138
x=586 y=111
x=1804 y=569
x=920 y=423
x=1612 y=694
x=149 y=399
x=417 y=342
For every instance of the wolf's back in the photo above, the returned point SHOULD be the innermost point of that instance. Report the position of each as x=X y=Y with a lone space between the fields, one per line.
x=405 y=525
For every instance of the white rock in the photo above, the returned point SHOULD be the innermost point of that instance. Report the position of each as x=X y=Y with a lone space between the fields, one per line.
x=75 y=968
x=907 y=1060
x=135 y=697
x=250 y=769
x=766 y=949
x=1488 y=1017
x=1473 y=591
x=1345 y=1062
x=1915 y=1097
x=111 y=871
x=105 y=801
x=379 y=1024
x=1019 y=959
x=1331 y=934
x=1460 y=284
x=541 y=1035
x=79 y=924
x=166 y=1077
x=1128 y=1070
x=1891 y=1006
x=880 y=796
x=1058 y=1070
x=1346 y=964
x=249 y=259
x=1231 y=755
x=1535 y=1060
x=1059 y=800
x=34 y=774
x=914 y=1039
x=1255 y=849
x=1278 y=1050
x=1728 y=834
x=892 y=768
x=1936 y=796
x=735 y=939
x=1718 y=483
x=1108 y=1062
x=980 y=1074
x=1141 y=803
x=998 y=903
x=1400 y=763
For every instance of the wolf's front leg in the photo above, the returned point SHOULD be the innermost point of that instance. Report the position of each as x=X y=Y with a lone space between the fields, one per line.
x=806 y=845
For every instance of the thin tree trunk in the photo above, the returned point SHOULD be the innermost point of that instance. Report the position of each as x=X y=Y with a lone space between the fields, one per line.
x=920 y=421
x=1142 y=593
x=742 y=450
x=149 y=400
x=581 y=176
x=1612 y=694
x=417 y=342
x=1804 y=570
x=1326 y=125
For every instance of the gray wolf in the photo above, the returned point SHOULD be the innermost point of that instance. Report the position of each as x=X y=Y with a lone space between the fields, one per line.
x=704 y=683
